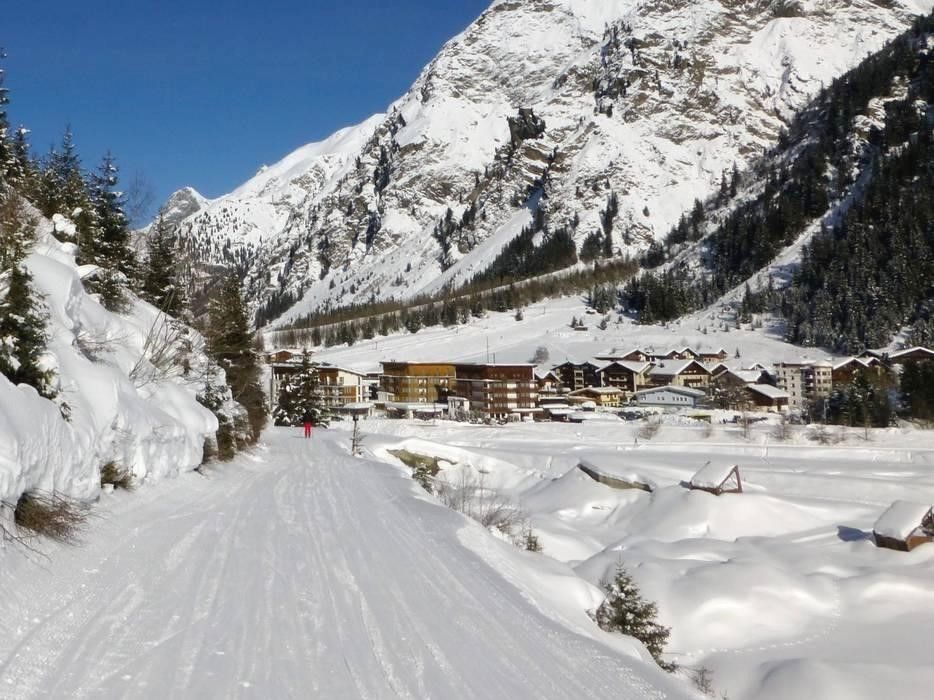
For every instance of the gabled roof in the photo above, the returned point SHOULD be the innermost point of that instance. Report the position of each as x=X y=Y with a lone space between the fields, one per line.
x=901 y=519
x=768 y=391
x=858 y=360
x=747 y=376
x=634 y=367
x=600 y=390
x=672 y=368
x=684 y=390
x=712 y=475
x=910 y=351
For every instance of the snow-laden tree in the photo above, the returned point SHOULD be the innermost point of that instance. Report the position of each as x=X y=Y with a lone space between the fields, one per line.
x=230 y=343
x=162 y=284
x=300 y=395
x=625 y=611
x=23 y=335
x=104 y=240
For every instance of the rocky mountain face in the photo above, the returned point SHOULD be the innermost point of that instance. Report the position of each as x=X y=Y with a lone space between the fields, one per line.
x=589 y=115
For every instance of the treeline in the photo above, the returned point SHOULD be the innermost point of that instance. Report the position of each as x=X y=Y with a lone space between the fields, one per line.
x=864 y=278
x=89 y=210
x=459 y=307
x=867 y=296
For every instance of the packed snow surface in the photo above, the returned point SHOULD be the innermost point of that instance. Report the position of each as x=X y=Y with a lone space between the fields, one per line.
x=300 y=571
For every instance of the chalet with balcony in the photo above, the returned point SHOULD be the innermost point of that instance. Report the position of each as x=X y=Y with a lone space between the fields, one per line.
x=417 y=382
x=602 y=396
x=688 y=373
x=627 y=376
x=498 y=390
x=577 y=375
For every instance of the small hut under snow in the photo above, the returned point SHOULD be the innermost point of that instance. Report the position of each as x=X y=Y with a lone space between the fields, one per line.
x=904 y=526
x=717 y=479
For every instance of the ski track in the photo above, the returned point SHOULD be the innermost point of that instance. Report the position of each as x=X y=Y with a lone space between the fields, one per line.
x=304 y=573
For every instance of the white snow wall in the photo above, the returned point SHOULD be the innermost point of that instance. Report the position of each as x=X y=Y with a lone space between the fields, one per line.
x=150 y=424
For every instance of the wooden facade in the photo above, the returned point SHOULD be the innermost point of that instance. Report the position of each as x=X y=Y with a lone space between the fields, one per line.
x=417 y=382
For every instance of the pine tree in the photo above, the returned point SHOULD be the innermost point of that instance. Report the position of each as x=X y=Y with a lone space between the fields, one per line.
x=23 y=173
x=67 y=177
x=230 y=343
x=162 y=285
x=625 y=611
x=6 y=151
x=23 y=335
x=107 y=243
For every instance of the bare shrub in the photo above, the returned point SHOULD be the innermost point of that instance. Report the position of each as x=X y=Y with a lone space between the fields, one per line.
x=49 y=515
x=701 y=678
x=651 y=428
x=782 y=430
x=474 y=499
x=164 y=352
x=114 y=473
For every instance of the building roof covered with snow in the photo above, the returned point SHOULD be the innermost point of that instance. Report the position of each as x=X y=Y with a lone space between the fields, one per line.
x=712 y=475
x=769 y=391
x=901 y=519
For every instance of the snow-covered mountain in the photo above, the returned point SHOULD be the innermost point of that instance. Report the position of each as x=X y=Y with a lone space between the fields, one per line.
x=648 y=101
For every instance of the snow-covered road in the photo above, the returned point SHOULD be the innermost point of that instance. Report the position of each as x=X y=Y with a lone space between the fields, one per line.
x=300 y=573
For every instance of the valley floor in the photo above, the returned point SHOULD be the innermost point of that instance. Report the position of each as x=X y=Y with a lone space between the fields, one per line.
x=297 y=571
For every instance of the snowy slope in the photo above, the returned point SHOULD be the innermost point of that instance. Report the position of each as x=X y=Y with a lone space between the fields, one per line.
x=121 y=407
x=651 y=101
x=305 y=573
x=779 y=591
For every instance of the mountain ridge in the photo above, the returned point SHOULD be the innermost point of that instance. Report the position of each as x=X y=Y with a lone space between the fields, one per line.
x=650 y=104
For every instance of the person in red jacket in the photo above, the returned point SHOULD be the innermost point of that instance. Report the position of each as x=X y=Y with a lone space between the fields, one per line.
x=307 y=419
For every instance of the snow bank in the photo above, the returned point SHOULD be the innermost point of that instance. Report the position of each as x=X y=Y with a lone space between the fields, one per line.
x=120 y=406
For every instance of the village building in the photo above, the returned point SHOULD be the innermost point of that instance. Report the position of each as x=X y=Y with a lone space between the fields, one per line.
x=845 y=371
x=627 y=376
x=915 y=354
x=713 y=356
x=904 y=526
x=602 y=396
x=577 y=375
x=634 y=355
x=670 y=397
x=685 y=353
x=804 y=381
x=417 y=382
x=548 y=381
x=340 y=386
x=765 y=397
x=284 y=356
x=498 y=390
x=689 y=373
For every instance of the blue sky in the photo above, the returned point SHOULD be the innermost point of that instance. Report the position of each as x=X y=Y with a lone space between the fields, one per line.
x=202 y=94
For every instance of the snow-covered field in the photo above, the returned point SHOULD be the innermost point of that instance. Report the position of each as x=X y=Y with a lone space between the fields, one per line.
x=498 y=337
x=779 y=591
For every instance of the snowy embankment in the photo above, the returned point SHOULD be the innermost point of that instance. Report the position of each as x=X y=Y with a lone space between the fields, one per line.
x=779 y=591
x=299 y=571
x=126 y=400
